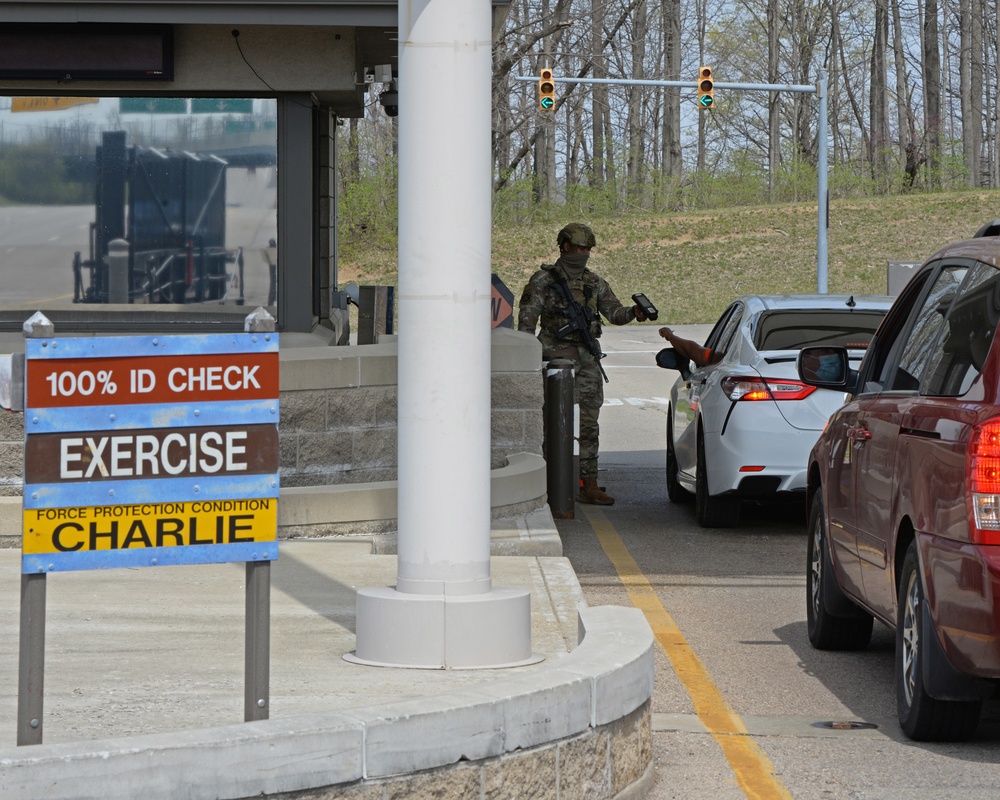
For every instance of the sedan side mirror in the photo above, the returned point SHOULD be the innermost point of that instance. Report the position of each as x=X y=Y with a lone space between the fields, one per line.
x=826 y=368
x=668 y=358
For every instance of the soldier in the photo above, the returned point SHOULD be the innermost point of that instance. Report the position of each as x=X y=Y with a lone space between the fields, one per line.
x=558 y=294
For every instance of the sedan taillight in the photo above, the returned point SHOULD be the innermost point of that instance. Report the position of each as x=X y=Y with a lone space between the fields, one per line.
x=983 y=474
x=737 y=387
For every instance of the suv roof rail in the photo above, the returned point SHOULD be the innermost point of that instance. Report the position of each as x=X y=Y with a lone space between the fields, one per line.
x=989 y=229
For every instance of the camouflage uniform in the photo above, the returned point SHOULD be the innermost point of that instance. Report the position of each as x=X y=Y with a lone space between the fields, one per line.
x=542 y=300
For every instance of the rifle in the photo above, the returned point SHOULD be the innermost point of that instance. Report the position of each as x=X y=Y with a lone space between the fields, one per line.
x=578 y=318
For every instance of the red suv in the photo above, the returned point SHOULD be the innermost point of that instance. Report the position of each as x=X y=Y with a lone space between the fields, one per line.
x=904 y=492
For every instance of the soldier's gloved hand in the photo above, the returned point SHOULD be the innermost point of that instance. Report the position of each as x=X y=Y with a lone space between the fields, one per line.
x=640 y=315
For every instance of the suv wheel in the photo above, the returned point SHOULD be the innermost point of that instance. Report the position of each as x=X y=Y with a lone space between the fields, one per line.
x=713 y=511
x=921 y=716
x=827 y=631
x=676 y=492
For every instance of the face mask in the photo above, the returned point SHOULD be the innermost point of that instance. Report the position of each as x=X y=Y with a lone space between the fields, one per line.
x=828 y=369
x=574 y=263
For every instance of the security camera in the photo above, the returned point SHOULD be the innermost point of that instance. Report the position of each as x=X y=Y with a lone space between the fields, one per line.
x=390 y=101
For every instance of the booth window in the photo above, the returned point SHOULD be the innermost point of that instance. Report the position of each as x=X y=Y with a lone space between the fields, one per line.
x=115 y=205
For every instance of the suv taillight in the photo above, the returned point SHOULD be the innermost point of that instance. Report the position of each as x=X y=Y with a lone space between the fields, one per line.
x=983 y=474
x=738 y=387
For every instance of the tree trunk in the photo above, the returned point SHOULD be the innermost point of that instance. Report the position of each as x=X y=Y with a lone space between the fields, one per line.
x=996 y=106
x=965 y=59
x=672 y=94
x=700 y=13
x=902 y=92
x=877 y=100
x=833 y=100
x=773 y=100
x=932 y=93
x=977 y=54
x=636 y=138
x=599 y=93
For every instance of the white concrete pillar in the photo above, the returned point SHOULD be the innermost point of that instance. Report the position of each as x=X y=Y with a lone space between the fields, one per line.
x=443 y=611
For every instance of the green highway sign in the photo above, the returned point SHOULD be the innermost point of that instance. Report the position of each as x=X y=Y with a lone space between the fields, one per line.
x=152 y=105
x=221 y=105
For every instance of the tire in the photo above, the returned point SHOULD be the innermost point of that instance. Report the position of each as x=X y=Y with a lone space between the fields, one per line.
x=713 y=511
x=922 y=717
x=676 y=492
x=829 y=631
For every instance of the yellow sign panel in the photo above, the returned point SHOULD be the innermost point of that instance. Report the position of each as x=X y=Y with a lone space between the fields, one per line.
x=145 y=525
x=49 y=103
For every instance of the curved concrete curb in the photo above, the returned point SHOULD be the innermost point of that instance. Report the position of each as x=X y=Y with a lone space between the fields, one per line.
x=589 y=708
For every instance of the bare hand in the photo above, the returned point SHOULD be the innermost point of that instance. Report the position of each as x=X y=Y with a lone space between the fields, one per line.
x=640 y=315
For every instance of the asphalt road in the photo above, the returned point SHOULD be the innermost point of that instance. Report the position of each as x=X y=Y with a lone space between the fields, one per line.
x=739 y=690
x=38 y=243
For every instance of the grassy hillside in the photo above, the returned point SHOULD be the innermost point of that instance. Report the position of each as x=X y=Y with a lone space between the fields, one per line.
x=692 y=265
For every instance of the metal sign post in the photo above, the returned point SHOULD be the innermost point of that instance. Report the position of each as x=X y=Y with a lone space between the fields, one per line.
x=822 y=166
x=31 y=657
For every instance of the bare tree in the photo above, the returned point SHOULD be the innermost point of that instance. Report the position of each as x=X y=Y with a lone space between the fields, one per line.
x=774 y=99
x=903 y=130
x=672 y=96
x=599 y=94
x=932 y=91
x=877 y=99
x=636 y=126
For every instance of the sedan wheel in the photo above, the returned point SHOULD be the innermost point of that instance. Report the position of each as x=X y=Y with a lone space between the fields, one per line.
x=676 y=492
x=713 y=511
x=828 y=631
x=921 y=716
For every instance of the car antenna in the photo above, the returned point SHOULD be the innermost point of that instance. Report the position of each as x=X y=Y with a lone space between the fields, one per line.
x=850 y=302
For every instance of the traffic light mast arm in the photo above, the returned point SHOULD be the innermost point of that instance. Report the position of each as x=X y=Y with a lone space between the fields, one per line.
x=753 y=87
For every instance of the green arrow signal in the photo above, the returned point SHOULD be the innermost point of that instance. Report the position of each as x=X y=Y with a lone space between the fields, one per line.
x=705 y=101
x=547 y=103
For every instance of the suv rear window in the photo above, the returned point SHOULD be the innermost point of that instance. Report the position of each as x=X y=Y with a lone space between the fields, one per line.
x=793 y=330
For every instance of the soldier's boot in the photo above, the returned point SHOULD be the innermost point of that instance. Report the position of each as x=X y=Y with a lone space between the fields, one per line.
x=591 y=493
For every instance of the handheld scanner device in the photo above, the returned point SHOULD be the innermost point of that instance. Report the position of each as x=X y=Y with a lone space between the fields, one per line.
x=643 y=302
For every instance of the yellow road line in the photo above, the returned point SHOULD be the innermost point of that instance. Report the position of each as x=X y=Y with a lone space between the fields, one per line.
x=753 y=769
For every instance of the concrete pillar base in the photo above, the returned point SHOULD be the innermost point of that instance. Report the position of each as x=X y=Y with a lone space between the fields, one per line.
x=399 y=629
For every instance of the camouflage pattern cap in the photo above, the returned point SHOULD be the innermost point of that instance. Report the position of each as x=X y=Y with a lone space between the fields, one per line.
x=577 y=233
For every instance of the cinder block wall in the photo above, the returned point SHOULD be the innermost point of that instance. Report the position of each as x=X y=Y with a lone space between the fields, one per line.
x=338 y=412
x=11 y=453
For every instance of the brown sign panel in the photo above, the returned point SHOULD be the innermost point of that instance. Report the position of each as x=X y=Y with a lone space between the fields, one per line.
x=65 y=383
x=150 y=454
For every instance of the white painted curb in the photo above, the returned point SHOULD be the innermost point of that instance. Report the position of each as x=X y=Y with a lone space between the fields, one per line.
x=609 y=675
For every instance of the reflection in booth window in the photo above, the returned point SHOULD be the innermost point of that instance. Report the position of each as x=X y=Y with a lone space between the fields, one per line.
x=161 y=202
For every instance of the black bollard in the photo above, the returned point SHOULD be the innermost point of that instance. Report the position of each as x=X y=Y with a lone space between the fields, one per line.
x=558 y=420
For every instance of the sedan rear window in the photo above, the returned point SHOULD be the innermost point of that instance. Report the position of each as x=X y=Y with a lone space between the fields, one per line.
x=793 y=330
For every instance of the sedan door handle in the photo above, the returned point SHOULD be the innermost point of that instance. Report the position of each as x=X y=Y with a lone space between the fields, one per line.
x=859 y=433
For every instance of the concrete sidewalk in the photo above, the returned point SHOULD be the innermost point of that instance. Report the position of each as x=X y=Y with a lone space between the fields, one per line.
x=144 y=690
x=133 y=651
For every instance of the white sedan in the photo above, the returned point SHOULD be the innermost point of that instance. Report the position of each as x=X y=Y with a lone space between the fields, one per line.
x=740 y=427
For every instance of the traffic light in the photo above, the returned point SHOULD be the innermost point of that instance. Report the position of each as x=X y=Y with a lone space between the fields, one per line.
x=546 y=90
x=706 y=88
